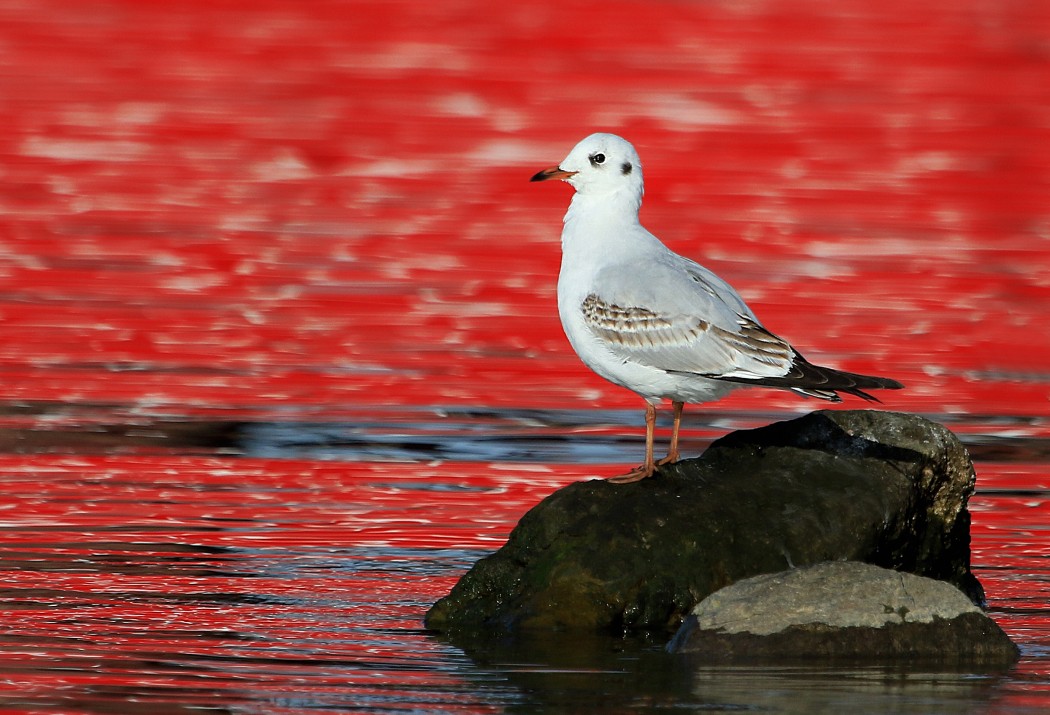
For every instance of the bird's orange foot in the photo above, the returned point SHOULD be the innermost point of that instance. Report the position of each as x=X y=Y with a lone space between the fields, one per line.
x=669 y=459
x=635 y=475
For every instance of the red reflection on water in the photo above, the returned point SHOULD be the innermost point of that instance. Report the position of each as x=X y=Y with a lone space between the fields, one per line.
x=353 y=222
x=256 y=578
x=276 y=578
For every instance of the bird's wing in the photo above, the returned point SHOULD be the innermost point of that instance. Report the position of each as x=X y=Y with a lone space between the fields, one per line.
x=685 y=320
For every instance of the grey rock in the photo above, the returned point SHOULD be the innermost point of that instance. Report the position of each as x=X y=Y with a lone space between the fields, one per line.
x=842 y=610
x=884 y=488
x=840 y=594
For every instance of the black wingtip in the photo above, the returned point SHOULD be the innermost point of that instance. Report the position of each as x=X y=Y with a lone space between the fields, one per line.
x=863 y=395
x=824 y=383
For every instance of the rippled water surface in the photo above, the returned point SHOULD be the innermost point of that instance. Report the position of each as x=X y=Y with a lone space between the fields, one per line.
x=283 y=583
x=279 y=348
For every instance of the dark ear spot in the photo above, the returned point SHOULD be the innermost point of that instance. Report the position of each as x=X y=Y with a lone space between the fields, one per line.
x=625 y=168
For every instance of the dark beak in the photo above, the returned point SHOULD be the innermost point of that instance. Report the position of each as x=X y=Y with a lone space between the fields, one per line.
x=555 y=172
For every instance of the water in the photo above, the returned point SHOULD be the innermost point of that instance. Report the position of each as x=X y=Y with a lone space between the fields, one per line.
x=286 y=583
x=280 y=357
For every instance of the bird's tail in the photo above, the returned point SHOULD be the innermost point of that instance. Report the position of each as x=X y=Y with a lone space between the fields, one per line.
x=825 y=383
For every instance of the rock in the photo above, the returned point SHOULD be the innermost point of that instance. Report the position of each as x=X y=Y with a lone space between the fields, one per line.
x=839 y=594
x=842 y=610
x=885 y=488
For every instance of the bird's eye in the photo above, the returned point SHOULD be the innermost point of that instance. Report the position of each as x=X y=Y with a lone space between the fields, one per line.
x=597 y=159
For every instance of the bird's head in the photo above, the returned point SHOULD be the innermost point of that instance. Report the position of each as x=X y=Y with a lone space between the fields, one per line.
x=600 y=164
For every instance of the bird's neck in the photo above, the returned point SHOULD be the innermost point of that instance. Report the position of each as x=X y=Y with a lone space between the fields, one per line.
x=603 y=225
x=622 y=205
x=616 y=208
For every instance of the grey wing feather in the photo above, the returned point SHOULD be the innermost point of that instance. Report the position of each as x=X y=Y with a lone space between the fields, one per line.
x=699 y=325
x=685 y=320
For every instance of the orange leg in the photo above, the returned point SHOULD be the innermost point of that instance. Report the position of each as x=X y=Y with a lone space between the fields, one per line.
x=648 y=467
x=672 y=452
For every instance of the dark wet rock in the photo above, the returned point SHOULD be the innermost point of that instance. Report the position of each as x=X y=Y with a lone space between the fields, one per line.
x=884 y=488
x=842 y=611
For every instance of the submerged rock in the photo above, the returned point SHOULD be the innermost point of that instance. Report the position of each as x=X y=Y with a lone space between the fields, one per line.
x=884 y=488
x=842 y=611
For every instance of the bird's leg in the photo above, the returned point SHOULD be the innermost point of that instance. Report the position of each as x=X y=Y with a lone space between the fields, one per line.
x=648 y=467
x=672 y=452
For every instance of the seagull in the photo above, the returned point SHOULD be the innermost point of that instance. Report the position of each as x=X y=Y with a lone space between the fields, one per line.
x=657 y=323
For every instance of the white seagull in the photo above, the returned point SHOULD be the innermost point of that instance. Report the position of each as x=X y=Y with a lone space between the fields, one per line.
x=657 y=323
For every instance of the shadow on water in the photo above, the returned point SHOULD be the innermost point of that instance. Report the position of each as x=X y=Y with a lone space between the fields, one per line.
x=591 y=673
x=453 y=434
